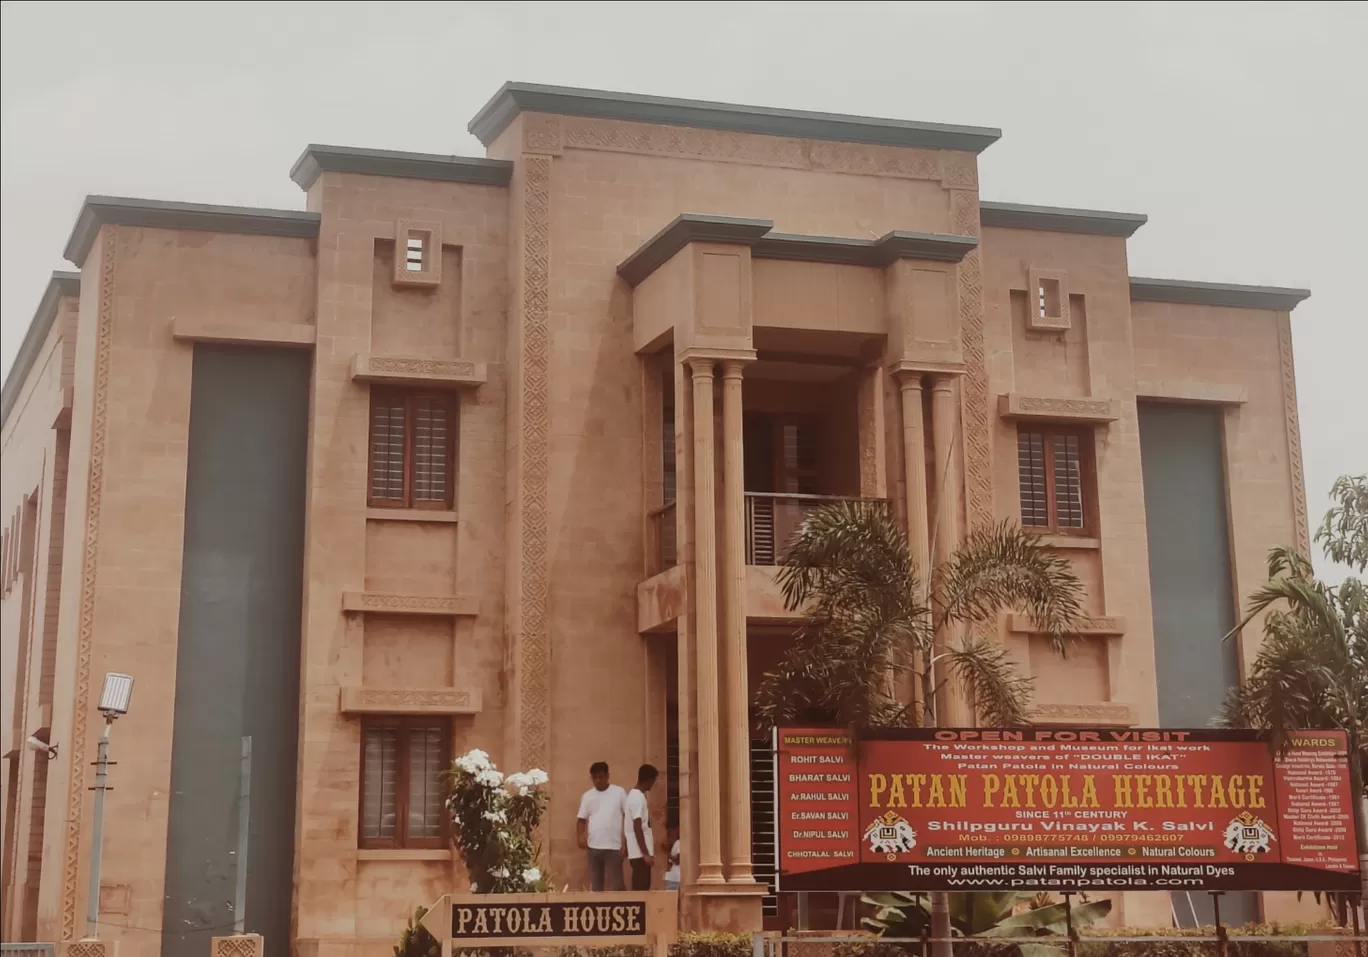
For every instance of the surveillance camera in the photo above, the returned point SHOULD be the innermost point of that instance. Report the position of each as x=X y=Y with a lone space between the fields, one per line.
x=35 y=743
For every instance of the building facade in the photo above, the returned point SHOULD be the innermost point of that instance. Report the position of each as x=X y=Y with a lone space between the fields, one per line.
x=502 y=452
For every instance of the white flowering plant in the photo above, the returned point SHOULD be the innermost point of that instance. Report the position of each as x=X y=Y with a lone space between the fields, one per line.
x=495 y=820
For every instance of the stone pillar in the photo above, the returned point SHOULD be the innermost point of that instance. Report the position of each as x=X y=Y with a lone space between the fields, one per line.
x=705 y=576
x=914 y=474
x=950 y=710
x=734 y=625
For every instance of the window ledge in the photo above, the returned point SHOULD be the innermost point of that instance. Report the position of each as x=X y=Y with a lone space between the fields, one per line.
x=403 y=854
x=361 y=602
x=1092 y=713
x=434 y=516
x=1014 y=405
x=419 y=371
x=419 y=701
x=1069 y=541
x=1106 y=626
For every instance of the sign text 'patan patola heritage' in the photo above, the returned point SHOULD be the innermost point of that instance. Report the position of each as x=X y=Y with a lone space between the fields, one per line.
x=1060 y=808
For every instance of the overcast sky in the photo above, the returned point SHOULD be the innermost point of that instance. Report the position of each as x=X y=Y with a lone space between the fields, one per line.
x=1238 y=128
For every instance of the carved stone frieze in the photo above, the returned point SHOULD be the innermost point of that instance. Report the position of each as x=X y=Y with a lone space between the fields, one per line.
x=356 y=700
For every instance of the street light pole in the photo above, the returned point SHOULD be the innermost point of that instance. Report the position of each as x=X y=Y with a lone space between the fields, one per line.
x=97 y=833
x=114 y=701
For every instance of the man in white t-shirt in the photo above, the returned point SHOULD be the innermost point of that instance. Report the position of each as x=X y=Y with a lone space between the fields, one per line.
x=640 y=843
x=599 y=829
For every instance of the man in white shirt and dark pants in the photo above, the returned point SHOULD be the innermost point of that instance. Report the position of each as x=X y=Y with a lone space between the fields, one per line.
x=640 y=843
x=599 y=829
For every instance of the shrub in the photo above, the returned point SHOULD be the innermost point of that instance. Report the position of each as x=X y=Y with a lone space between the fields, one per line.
x=415 y=941
x=711 y=945
x=495 y=824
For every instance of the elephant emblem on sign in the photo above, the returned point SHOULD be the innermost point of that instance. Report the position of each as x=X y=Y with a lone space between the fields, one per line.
x=1249 y=835
x=891 y=835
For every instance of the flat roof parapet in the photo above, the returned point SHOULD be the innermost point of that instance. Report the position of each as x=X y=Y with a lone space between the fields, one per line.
x=514 y=98
x=1060 y=219
x=98 y=211
x=60 y=284
x=318 y=159
x=1191 y=292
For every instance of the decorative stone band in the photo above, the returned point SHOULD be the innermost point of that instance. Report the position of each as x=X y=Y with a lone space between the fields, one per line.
x=1104 y=713
x=416 y=370
x=1106 y=627
x=410 y=700
x=90 y=947
x=1014 y=405
x=239 y=945
x=392 y=604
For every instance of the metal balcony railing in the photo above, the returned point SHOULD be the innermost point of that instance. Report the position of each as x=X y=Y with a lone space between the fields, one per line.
x=663 y=552
x=772 y=518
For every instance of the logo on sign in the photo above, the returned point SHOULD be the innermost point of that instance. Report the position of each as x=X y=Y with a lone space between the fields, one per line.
x=890 y=835
x=1249 y=835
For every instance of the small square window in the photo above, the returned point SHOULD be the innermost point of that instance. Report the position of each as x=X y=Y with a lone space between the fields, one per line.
x=1054 y=476
x=1048 y=295
x=403 y=787
x=415 y=254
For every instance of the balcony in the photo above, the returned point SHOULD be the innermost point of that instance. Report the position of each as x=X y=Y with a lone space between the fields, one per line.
x=772 y=519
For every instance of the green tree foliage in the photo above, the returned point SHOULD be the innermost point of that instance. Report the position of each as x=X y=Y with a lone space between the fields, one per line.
x=869 y=621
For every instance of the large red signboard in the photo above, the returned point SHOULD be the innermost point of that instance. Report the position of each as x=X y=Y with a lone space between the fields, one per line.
x=1060 y=808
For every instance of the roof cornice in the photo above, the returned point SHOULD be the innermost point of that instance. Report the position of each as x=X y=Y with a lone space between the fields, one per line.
x=756 y=233
x=59 y=285
x=99 y=211
x=1190 y=292
x=684 y=229
x=514 y=98
x=317 y=160
x=1060 y=219
x=938 y=247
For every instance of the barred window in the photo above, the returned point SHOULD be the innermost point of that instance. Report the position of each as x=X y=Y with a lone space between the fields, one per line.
x=403 y=792
x=1054 y=471
x=412 y=450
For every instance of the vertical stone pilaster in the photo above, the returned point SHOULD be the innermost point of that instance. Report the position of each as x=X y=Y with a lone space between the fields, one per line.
x=950 y=711
x=873 y=478
x=529 y=638
x=705 y=576
x=734 y=620
x=914 y=473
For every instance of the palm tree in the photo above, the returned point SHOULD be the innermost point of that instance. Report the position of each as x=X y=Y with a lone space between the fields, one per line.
x=1311 y=671
x=868 y=620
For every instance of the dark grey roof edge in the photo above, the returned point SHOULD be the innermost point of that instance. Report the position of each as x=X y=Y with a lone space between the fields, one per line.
x=514 y=98
x=97 y=211
x=939 y=247
x=684 y=229
x=1061 y=219
x=59 y=285
x=318 y=159
x=756 y=233
x=1191 y=292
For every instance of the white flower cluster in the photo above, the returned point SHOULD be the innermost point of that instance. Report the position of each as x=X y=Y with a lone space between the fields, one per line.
x=532 y=875
x=524 y=782
x=489 y=777
x=496 y=817
x=474 y=761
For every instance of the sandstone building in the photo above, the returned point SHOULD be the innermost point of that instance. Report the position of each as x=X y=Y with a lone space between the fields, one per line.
x=501 y=452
